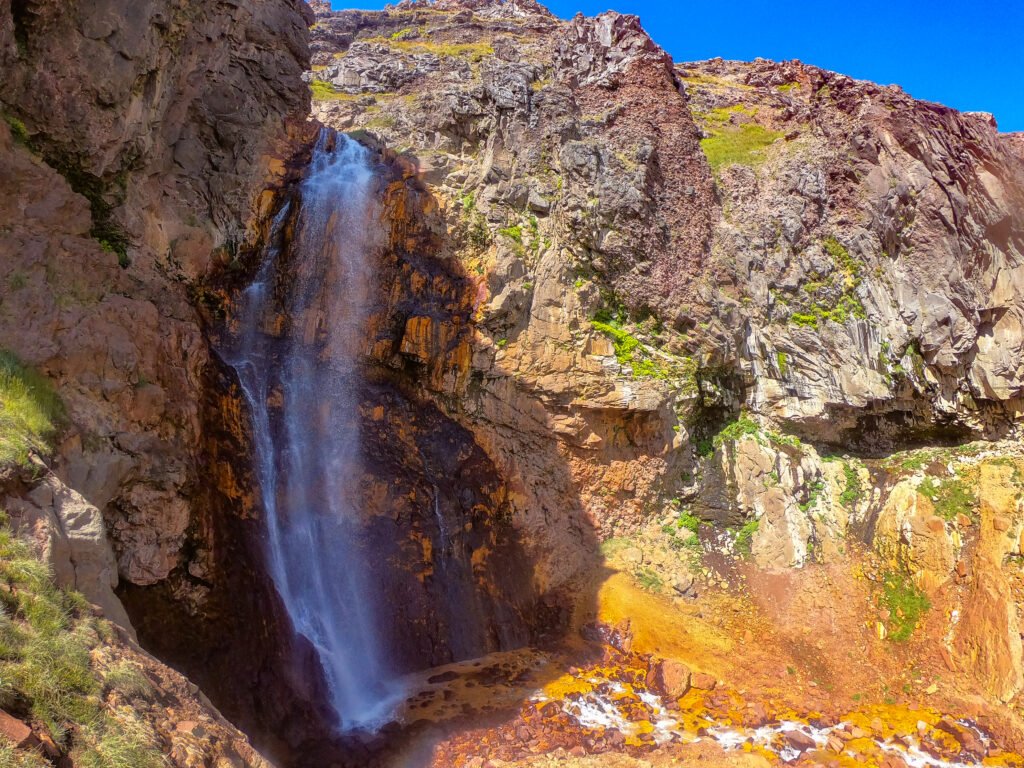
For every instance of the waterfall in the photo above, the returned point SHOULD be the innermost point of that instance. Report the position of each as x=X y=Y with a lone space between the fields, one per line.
x=301 y=328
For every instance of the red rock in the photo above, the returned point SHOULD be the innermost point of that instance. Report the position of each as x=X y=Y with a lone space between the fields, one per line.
x=15 y=731
x=799 y=740
x=703 y=681
x=1000 y=523
x=835 y=744
x=670 y=679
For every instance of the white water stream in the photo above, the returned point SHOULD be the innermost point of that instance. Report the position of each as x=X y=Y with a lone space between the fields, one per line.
x=301 y=387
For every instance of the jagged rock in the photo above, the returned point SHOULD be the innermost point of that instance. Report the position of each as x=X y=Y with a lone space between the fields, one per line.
x=670 y=678
x=72 y=539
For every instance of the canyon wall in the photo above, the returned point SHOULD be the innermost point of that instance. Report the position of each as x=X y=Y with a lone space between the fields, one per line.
x=765 y=298
x=136 y=142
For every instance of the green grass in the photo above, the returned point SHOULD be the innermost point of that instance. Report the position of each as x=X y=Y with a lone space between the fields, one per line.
x=950 y=498
x=473 y=51
x=905 y=602
x=736 y=430
x=129 y=679
x=916 y=461
x=47 y=636
x=852 y=490
x=629 y=351
x=745 y=538
x=322 y=90
x=13 y=758
x=738 y=145
x=30 y=411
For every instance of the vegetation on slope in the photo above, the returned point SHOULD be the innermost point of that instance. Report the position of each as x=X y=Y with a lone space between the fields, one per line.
x=30 y=411
x=50 y=676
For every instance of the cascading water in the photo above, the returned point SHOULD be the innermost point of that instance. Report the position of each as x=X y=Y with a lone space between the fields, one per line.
x=301 y=386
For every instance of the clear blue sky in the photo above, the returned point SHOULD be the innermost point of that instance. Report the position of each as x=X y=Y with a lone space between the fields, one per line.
x=968 y=55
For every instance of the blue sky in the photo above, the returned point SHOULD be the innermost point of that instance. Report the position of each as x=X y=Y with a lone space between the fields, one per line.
x=966 y=55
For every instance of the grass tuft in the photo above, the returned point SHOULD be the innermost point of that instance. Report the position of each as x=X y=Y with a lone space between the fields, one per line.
x=745 y=538
x=742 y=144
x=47 y=636
x=905 y=602
x=30 y=411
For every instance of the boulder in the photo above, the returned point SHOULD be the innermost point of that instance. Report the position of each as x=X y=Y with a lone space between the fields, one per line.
x=670 y=679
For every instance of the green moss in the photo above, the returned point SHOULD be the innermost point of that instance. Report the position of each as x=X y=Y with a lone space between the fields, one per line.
x=743 y=144
x=824 y=303
x=852 y=490
x=950 y=497
x=630 y=352
x=804 y=319
x=30 y=411
x=783 y=363
x=745 y=538
x=814 y=492
x=514 y=233
x=649 y=580
x=736 y=430
x=18 y=129
x=688 y=522
x=916 y=461
x=905 y=602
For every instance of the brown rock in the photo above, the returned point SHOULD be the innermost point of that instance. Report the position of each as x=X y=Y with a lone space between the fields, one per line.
x=970 y=743
x=670 y=679
x=1000 y=523
x=15 y=731
x=703 y=681
x=799 y=740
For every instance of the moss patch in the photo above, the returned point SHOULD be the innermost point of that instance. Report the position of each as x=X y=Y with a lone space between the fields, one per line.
x=742 y=144
x=950 y=497
x=905 y=602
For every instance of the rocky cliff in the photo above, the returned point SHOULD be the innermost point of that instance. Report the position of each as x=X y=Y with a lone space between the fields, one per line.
x=135 y=143
x=718 y=363
x=751 y=310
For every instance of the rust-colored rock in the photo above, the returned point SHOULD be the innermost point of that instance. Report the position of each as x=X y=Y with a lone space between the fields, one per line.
x=669 y=678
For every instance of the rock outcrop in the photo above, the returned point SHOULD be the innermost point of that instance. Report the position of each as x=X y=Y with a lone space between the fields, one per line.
x=703 y=306
x=135 y=143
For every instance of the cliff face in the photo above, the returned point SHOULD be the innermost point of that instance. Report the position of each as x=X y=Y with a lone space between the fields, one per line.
x=841 y=259
x=136 y=140
x=728 y=329
x=761 y=302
